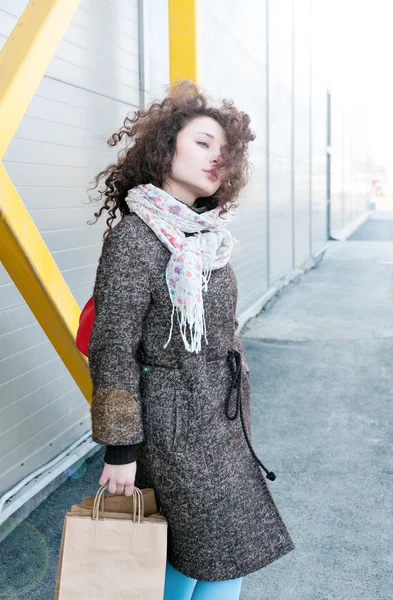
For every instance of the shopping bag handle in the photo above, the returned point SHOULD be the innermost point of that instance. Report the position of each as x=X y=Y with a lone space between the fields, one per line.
x=137 y=497
x=137 y=494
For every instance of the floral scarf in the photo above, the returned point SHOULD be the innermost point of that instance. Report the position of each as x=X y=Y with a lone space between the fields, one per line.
x=193 y=258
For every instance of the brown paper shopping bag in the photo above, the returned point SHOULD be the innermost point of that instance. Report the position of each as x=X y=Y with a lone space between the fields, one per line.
x=124 y=504
x=111 y=554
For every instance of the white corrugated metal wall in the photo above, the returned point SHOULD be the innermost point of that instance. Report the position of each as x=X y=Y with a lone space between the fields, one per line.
x=266 y=68
x=275 y=68
x=302 y=130
x=280 y=138
x=239 y=73
x=90 y=85
x=351 y=176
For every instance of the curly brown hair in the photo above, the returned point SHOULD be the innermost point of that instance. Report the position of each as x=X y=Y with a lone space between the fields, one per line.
x=153 y=133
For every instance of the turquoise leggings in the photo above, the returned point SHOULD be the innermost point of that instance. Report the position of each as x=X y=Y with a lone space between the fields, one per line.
x=181 y=587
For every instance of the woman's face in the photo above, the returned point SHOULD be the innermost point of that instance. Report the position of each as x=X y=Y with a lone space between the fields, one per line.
x=193 y=173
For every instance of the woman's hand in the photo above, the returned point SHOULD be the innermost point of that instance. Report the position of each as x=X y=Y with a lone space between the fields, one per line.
x=121 y=478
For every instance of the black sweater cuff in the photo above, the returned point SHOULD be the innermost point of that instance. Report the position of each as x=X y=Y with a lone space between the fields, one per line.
x=121 y=455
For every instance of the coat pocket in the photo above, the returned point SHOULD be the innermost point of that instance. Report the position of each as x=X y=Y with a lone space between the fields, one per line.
x=182 y=400
x=166 y=406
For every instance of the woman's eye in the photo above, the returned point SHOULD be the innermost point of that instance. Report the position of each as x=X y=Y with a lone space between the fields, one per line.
x=206 y=144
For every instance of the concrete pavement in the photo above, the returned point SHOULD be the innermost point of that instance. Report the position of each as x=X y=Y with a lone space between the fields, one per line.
x=321 y=367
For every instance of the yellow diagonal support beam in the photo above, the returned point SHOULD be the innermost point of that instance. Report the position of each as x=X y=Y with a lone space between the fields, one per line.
x=37 y=277
x=25 y=58
x=23 y=62
x=183 y=38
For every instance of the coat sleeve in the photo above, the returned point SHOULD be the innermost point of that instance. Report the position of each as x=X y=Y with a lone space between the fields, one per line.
x=121 y=299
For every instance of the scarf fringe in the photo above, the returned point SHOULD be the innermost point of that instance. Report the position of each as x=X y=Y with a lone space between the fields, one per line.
x=193 y=318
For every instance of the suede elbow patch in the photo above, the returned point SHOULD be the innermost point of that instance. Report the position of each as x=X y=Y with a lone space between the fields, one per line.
x=116 y=417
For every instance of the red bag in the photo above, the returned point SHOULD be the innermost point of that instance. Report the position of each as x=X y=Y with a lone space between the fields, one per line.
x=86 y=321
x=85 y=328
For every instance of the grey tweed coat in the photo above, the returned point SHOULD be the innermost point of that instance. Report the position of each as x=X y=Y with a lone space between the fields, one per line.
x=182 y=408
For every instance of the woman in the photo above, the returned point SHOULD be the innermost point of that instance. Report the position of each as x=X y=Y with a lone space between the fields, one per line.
x=171 y=397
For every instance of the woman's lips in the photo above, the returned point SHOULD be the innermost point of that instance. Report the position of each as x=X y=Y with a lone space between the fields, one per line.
x=213 y=175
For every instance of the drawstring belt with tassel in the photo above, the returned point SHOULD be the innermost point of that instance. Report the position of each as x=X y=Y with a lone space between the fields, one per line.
x=236 y=384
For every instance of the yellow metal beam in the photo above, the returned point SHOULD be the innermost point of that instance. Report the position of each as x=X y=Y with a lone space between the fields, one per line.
x=23 y=62
x=25 y=58
x=183 y=51
x=37 y=277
